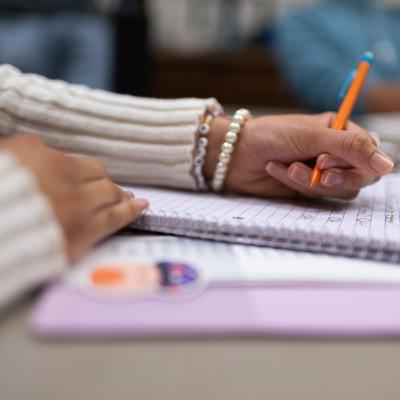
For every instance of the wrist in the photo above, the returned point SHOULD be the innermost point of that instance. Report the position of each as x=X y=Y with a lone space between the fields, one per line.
x=218 y=130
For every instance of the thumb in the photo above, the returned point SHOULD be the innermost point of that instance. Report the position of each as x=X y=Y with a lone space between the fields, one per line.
x=357 y=148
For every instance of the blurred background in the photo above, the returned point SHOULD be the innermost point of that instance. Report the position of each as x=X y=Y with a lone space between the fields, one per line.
x=244 y=52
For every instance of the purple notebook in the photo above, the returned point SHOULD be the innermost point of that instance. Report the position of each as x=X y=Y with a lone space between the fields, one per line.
x=227 y=311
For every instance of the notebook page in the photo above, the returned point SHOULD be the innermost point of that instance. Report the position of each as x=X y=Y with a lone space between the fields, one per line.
x=371 y=220
x=220 y=263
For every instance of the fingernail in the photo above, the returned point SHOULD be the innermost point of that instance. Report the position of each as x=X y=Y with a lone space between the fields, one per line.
x=381 y=163
x=300 y=175
x=332 y=179
x=143 y=203
x=274 y=169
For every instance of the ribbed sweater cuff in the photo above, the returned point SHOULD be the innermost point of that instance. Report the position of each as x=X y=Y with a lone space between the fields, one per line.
x=31 y=241
x=140 y=140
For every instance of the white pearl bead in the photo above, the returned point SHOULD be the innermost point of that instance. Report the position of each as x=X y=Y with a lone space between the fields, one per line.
x=217 y=181
x=218 y=175
x=234 y=127
x=224 y=158
x=242 y=112
x=238 y=118
x=227 y=148
x=231 y=137
x=221 y=167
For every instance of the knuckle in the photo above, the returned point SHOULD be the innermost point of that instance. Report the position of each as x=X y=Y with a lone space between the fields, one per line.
x=353 y=144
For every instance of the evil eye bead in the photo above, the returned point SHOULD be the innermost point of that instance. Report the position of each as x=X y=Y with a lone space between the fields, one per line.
x=201 y=151
x=204 y=129
x=202 y=142
x=198 y=160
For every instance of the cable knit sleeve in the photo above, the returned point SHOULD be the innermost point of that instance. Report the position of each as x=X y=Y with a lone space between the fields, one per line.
x=31 y=241
x=140 y=140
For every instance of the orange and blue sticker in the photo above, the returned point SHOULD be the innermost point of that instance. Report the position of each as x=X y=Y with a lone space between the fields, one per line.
x=167 y=279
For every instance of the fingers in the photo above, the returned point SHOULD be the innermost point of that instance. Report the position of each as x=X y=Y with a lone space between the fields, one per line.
x=100 y=193
x=113 y=218
x=280 y=172
x=327 y=119
x=105 y=222
x=351 y=179
x=298 y=175
x=338 y=172
x=326 y=161
x=88 y=168
x=357 y=148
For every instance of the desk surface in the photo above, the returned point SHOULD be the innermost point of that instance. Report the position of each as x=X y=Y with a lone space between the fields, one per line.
x=193 y=369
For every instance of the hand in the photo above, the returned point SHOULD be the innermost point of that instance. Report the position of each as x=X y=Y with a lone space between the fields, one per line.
x=270 y=157
x=85 y=202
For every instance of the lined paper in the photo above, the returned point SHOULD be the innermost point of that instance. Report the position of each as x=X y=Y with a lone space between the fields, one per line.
x=371 y=221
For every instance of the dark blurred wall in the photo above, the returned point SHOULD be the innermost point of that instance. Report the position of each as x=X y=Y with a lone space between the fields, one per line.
x=47 y=5
x=131 y=46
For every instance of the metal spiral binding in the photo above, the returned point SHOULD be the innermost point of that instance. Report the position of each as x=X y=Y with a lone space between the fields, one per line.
x=294 y=238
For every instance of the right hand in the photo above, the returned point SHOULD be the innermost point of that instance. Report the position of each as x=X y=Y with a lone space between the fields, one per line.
x=85 y=202
x=272 y=155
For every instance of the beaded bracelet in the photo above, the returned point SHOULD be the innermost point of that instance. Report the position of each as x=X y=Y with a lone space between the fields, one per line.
x=235 y=127
x=201 y=150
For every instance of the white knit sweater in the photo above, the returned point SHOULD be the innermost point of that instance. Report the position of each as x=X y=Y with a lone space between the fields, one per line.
x=143 y=141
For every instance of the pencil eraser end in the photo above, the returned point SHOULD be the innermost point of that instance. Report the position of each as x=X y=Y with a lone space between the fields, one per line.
x=368 y=56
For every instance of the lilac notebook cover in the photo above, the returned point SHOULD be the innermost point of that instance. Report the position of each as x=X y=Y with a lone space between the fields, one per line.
x=225 y=312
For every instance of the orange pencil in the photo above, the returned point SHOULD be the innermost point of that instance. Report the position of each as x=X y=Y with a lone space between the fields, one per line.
x=347 y=106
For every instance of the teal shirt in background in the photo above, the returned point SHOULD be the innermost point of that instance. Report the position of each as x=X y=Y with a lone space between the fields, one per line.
x=317 y=46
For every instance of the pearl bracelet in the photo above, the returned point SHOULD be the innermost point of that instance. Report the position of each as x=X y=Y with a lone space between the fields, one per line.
x=201 y=151
x=235 y=127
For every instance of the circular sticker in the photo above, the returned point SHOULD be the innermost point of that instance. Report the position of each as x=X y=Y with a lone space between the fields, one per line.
x=167 y=280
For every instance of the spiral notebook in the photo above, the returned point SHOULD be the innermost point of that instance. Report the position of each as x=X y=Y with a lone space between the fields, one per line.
x=367 y=227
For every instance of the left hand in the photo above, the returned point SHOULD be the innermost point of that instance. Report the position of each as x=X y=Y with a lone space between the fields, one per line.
x=271 y=155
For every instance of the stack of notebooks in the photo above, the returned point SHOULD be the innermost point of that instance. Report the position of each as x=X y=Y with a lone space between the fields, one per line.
x=337 y=275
